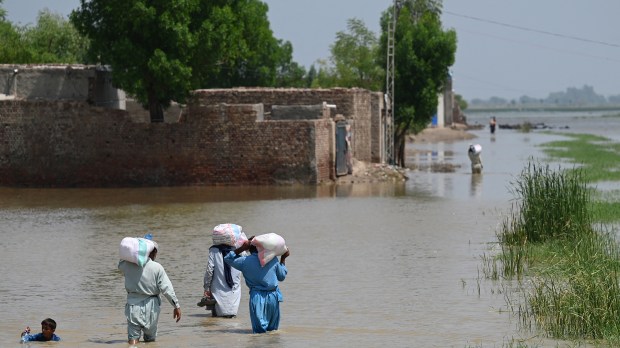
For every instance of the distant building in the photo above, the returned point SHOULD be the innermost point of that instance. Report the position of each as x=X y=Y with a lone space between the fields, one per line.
x=91 y=84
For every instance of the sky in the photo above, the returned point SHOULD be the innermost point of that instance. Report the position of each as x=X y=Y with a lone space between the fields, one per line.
x=506 y=48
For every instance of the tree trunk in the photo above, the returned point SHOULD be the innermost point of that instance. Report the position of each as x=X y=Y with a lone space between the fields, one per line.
x=399 y=147
x=155 y=109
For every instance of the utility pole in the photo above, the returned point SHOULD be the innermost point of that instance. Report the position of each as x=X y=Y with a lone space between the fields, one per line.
x=389 y=85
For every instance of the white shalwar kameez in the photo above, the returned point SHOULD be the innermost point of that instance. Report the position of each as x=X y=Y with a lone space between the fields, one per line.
x=215 y=281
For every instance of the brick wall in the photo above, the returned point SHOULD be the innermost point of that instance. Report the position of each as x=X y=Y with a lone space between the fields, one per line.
x=71 y=144
x=356 y=105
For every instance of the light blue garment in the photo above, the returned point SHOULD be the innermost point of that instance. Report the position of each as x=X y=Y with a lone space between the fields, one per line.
x=265 y=295
x=144 y=282
x=143 y=318
x=144 y=285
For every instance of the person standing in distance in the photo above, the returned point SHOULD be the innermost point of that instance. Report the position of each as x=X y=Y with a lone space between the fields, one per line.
x=144 y=285
x=492 y=124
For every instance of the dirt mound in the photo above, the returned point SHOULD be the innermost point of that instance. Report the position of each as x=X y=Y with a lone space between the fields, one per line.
x=373 y=172
x=433 y=135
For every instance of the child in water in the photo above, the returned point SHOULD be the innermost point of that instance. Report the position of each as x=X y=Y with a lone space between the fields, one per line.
x=48 y=326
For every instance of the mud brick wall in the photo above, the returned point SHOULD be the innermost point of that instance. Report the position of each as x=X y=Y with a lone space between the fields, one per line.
x=71 y=144
x=377 y=129
x=354 y=104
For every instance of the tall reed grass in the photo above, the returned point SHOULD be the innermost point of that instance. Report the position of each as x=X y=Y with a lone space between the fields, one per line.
x=572 y=268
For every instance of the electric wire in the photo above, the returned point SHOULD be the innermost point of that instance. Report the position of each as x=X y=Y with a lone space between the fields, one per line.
x=571 y=37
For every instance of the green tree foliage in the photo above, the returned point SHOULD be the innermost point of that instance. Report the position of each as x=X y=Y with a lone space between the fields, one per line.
x=236 y=47
x=12 y=49
x=310 y=76
x=354 y=56
x=2 y=12
x=326 y=76
x=422 y=57
x=160 y=50
x=462 y=103
x=54 y=40
x=148 y=44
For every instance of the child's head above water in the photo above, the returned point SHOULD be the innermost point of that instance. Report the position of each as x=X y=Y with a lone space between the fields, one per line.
x=48 y=326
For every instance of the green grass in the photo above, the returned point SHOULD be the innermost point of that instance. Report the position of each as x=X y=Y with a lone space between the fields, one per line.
x=568 y=271
x=556 y=246
x=599 y=159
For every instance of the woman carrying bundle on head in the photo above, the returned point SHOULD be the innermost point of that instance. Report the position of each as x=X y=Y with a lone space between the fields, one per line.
x=222 y=283
x=262 y=271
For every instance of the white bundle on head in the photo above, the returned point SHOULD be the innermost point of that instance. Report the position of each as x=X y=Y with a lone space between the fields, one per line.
x=228 y=234
x=136 y=250
x=269 y=246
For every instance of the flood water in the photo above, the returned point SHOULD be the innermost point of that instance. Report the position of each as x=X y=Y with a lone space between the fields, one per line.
x=371 y=265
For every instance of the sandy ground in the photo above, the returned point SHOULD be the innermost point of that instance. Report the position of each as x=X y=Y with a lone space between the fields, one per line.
x=433 y=135
x=375 y=172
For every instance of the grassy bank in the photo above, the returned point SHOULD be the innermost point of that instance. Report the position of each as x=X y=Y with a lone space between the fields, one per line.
x=599 y=160
x=556 y=247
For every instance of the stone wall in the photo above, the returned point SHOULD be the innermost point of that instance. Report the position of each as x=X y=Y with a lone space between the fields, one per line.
x=92 y=84
x=73 y=144
x=361 y=108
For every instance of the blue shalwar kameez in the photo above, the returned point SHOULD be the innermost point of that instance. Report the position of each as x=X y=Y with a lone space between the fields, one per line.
x=265 y=295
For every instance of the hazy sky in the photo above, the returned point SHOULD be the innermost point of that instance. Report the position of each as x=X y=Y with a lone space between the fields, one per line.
x=506 y=48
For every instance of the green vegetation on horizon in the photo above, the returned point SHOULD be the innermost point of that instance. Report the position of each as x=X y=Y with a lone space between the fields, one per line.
x=571 y=98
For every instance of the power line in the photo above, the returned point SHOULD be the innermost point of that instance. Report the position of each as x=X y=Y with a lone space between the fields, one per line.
x=548 y=48
x=576 y=38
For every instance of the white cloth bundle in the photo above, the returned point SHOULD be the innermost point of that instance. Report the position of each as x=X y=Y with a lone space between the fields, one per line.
x=136 y=250
x=228 y=234
x=269 y=246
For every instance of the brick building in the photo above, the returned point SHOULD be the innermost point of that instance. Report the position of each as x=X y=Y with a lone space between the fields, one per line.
x=221 y=137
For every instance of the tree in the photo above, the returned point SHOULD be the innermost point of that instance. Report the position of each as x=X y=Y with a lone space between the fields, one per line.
x=2 y=12
x=422 y=57
x=160 y=50
x=326 y=76
x=236 y=47
x=12 y=50
x=462 y=103
x=354 y=56
x=310 y=76
x=148 y=44
x=288 y=72
x=54 y=40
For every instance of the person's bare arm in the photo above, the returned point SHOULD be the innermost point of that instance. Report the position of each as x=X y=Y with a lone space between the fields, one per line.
x=284 y=256
x=245 y=246
x=176 y=314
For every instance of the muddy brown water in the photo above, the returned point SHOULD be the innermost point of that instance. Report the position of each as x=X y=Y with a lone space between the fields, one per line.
x=371 y=265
